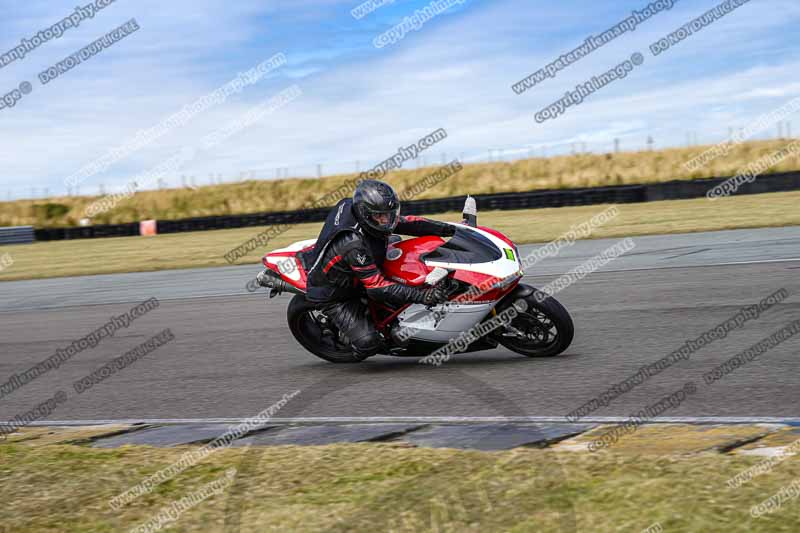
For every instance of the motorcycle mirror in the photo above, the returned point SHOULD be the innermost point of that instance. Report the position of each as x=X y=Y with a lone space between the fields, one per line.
x=470 y=212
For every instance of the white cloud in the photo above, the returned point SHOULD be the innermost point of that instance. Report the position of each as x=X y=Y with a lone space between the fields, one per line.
x=360 y=103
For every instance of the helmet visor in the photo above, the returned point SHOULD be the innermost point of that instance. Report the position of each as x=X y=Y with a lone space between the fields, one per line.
x=384 y=221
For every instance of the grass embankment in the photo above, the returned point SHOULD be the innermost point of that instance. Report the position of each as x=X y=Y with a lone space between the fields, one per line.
x=384 y=487
x=582 y=170
x=206 y=249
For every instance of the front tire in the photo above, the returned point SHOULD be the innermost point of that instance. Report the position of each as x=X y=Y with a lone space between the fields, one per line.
x=308 y=326
x=545 y=329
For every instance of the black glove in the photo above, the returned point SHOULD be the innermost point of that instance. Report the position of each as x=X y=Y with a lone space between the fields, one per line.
x=432 y=296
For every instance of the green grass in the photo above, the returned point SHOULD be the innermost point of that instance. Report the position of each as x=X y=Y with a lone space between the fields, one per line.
x=581 y=170
x=383 y=487
x=206 y=249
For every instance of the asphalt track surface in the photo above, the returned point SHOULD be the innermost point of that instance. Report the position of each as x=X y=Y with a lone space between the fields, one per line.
x=233 y=355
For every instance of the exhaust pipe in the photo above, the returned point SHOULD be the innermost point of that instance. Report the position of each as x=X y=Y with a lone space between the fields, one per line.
x=270 y=280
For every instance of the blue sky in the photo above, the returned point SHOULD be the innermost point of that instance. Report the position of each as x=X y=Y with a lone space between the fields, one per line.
x=362 y=103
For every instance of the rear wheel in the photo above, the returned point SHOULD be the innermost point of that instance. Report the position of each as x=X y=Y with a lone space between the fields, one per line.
x=317 y=334
x=545 y=329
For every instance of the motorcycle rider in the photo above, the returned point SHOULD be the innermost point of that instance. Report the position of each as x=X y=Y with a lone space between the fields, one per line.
x=349 y=254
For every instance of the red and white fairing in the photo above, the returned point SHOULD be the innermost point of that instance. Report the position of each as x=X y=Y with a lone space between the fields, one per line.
x=286 y=263
x=428 y=324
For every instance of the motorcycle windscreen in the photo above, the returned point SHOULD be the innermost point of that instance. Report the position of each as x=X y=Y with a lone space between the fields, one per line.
x=465 y=247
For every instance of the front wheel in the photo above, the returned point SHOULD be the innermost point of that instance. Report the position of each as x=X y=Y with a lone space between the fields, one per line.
x=544 y=329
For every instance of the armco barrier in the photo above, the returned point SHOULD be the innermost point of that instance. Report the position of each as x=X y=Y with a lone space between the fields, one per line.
x=16 y=235
x=242 y=221
x=680 y=190
x=620 y=194
x=87 y=232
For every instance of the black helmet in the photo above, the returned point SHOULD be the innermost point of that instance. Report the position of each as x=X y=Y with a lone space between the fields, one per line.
x=377 y=207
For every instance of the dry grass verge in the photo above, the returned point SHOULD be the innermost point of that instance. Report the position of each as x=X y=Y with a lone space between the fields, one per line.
x=582 y=170
x=383 y=487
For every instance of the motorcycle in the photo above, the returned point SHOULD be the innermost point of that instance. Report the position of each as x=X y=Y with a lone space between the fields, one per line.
x=478 y=268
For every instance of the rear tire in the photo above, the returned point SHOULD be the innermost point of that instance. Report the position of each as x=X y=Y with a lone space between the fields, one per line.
x=545 y=329
x=306 y=324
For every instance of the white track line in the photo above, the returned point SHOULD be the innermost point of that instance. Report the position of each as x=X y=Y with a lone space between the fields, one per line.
x=790 y=260
x=431 y=420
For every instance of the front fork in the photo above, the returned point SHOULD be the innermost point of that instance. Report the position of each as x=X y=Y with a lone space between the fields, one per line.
x=520 y=292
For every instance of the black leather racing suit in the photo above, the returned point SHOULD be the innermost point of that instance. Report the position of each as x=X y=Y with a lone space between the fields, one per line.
x=346 y=261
